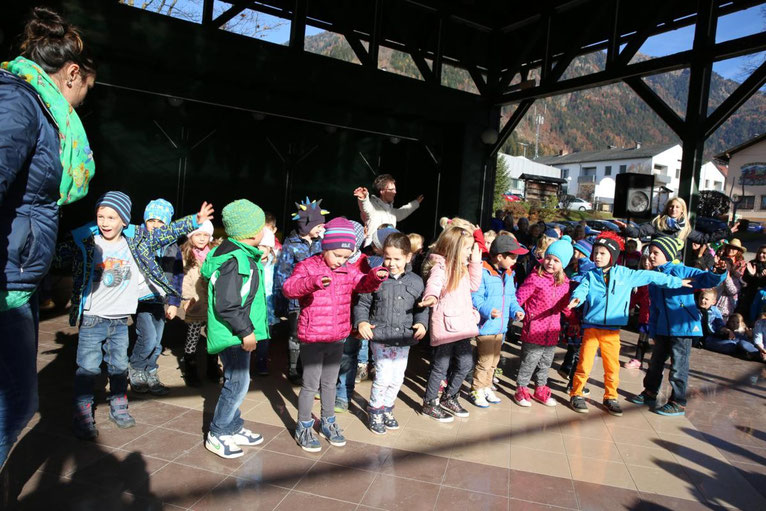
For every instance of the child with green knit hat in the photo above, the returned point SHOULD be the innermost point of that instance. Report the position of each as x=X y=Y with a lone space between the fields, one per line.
x=237 y=320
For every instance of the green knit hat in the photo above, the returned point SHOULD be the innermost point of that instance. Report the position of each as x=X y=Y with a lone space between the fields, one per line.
x=242 y=219
x=668 y=245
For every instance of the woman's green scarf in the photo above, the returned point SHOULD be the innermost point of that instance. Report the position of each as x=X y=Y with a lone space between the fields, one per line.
x=76 y=156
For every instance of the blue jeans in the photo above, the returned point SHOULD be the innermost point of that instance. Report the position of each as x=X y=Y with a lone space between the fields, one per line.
x=150 y=323
x=18 y=372
x=100 y=340
x=236 y=381
x=347 y=374
x=364 y=352
x=679 y=350
x=730 y=346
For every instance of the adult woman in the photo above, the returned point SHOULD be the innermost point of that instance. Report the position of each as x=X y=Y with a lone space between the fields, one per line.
x=45 y=162
x=674 y=222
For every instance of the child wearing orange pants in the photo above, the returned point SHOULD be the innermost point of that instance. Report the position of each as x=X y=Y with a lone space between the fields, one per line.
x=606 y=292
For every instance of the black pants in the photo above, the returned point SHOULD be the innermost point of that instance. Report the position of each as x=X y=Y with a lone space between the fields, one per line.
x=456 y=357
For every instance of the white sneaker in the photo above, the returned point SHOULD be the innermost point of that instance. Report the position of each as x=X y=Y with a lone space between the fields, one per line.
x=478 y=398
x=491 y=397
x=224 y=446
x=247 y=438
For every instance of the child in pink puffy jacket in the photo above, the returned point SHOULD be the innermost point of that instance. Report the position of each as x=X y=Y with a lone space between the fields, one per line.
x=544 y=296
x=323 y=284
x=453 y=272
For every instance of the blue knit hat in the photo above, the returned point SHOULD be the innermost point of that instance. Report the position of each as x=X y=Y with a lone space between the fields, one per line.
x=242 y=219
x=159 y=209
x=585 y=247
x=119 y=202
x=561 y=249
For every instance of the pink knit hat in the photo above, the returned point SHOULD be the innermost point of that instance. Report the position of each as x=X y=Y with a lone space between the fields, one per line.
x=339 y=233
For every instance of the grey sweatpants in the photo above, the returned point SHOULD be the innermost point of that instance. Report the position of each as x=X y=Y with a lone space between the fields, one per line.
x=321 y=363
x=534 y=356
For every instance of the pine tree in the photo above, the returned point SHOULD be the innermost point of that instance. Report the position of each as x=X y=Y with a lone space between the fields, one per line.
x=502 y=183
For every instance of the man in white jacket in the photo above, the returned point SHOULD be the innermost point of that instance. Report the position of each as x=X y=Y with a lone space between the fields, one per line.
x=380 y=211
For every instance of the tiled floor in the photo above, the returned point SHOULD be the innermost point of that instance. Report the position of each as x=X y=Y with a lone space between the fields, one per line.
x=504 y=457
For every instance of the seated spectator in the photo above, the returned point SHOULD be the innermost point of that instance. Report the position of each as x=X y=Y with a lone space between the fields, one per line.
x=734 y=339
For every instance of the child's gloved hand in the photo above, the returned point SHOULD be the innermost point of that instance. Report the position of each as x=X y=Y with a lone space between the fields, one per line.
x=249 y=342
x=643 y=328
x=365 y=330
x=205 y=213
x=420 y=331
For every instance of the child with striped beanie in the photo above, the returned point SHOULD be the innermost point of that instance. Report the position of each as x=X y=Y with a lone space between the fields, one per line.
x=323 y=285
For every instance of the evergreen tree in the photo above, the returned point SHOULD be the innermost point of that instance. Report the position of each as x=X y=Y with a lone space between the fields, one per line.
x=502 y=183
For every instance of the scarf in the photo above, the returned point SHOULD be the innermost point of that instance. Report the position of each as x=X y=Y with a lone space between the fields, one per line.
x=676 y=225
x=200 y=255
x=76 y=156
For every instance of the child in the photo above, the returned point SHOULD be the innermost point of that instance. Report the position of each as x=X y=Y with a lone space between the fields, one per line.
x=195 y=250
x=496 y=302
x=579 y=267
x=727 y=299
x=640 y=298
x=324 y=284
x=151 y=313
x=631 y=257
x=734 y=339
x=390 y=319
x=302 y=243
x=544 y=296
x=267 y=248
x=271 y=224
x=453 y=272
x=416 y=242
x=237 y=320
x=606 y=289
x=674 y=322
x=759 y=332
x=711 y=318
x=108 y=258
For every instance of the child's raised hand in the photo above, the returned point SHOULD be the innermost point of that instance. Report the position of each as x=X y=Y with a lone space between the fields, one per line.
x=326 y=281
x=428 y=301
x=365 y=330
x=687 y=283
x=420 y=198
x=420 y=331
x=249 y=342
x=519 y=316
x=574 y=303
x=361 y=193
x=205 y=213
x=382 y=274
x=475 y=253
x=494 y=313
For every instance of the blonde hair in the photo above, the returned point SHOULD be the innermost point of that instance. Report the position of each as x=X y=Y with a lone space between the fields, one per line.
x=450 y=245
x=709 y=292
x=660 y=222
x=416 y=241
x=489 y=237
x=542 y=245
x=446 y=222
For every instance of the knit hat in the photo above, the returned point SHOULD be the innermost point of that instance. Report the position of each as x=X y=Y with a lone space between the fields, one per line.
x=612 y=242
x=359 y=233
x=505 y=244
x=585 y=247
x=550 y=232
x=379 y=237
x=561 y=249
x=339 y=233
x=668 y=245
x=268 y=239
x=119 y=202
x=206 y=227
x=242 y=219
x=309 y=215
x=159 y=209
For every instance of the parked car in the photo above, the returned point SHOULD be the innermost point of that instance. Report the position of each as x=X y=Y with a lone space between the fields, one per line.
x=755 y=227
x=577 y=204
x=603 y=225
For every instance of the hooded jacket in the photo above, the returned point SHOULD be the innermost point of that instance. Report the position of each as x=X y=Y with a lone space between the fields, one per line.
x=496 y=291
x=326 y=311
x=673 y=311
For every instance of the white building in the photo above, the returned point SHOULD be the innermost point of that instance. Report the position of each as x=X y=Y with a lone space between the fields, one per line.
x=591 y=174
x=518 y=165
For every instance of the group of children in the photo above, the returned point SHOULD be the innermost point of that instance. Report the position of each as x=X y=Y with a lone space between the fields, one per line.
x=333 y=295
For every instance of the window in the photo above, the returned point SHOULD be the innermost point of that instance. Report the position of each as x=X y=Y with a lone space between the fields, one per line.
x=678 y=173
x=608 y=170
x=763 y=202
x=707 y=184
x=746 y=202
x=589 y=171
x=623 y=169
x=564 y=173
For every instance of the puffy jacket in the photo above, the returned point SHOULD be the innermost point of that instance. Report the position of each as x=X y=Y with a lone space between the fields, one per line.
x=496 y=291
x=608 y=307
x=673 y=311
x=78 y=252
x=326 y=311
x=393 y=310
x=453 y=317
x=543 y=301
x=30 y=175
x=294 y=250
x=712 y=321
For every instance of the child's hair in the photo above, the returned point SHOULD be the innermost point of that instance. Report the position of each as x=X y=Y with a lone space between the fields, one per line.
x=446 y=222
x=416 y=242
x=489 y=237
x=542 y=245
x=736 y=323
x=450 y=245
x=270 y=219
x=398 y=240
x=558 y=277
x=187 y=252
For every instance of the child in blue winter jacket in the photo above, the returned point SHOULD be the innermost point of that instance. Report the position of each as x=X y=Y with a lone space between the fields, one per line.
x=497 y=305
x=673 y=322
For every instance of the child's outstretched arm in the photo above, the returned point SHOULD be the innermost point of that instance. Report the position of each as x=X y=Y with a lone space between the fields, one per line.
x=640 y=278
x=371 y=281
x=167 y=234
x=301 y=283
x=434 y=286
x=580 y=293
x=228 y=303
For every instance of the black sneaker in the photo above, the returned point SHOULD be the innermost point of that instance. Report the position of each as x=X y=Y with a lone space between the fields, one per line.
x=377 y=425
x=613 y=407
x=578 y=404
x=388 y=418
x=433 y=410
x=452 y=405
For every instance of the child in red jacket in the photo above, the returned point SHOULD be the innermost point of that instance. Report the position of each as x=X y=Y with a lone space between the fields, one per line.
x=640 y=298
x=323 y=284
